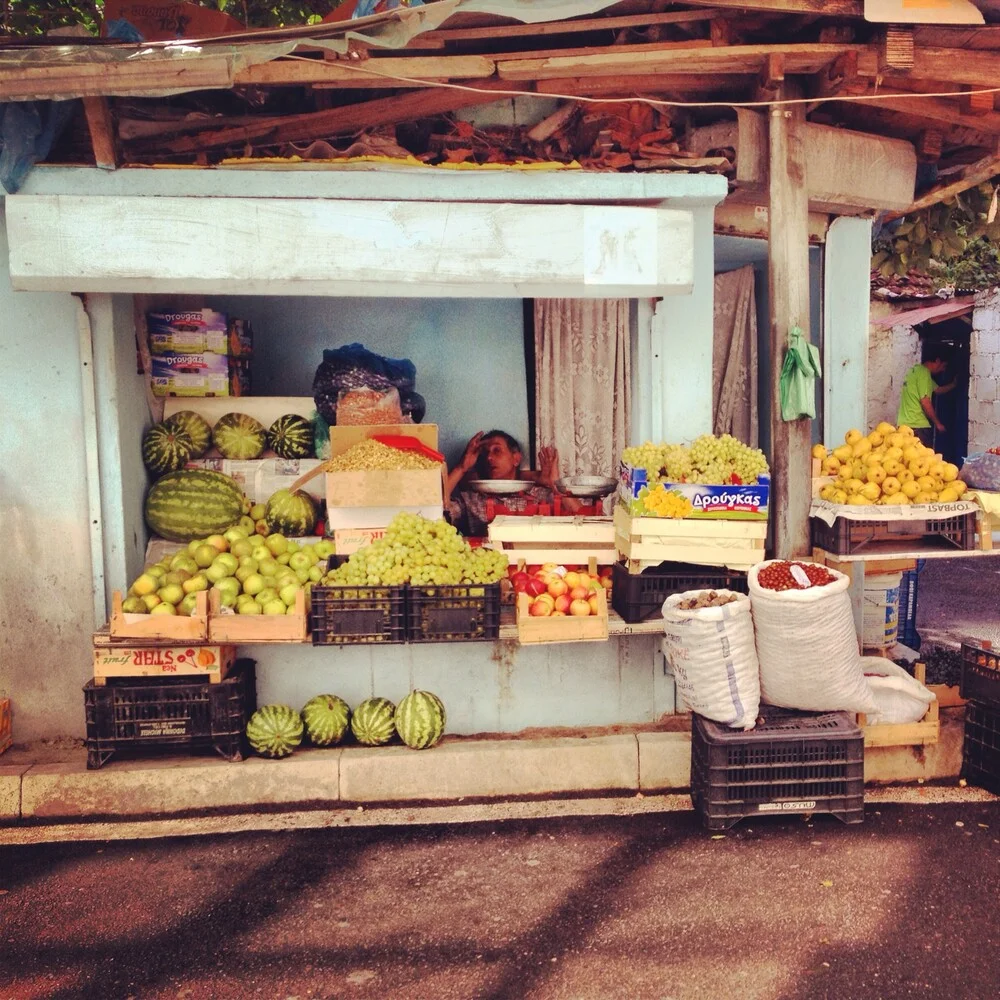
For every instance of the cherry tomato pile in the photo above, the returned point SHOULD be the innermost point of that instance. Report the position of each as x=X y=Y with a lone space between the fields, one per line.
x=778 y=576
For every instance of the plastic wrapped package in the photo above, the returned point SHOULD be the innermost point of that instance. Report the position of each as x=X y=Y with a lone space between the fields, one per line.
x=355 y=367
x=982 y=472
x=365 y=406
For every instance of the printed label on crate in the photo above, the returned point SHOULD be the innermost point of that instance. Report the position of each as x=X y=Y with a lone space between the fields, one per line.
x=770 y=807
x=159 y=729
x=734 y=502
x=166 y=661
x=829 y=512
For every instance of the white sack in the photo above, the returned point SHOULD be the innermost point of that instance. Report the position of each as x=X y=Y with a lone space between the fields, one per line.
x=900 y=697
x=807 y=646
x=713 y=659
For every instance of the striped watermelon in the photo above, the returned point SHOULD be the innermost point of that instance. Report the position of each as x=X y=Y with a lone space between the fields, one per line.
x=326 y=718
x=371 y=722
x=193 y=503
x=196 y=427
x=293 y=514
x=275 y=730
x=291 y=436
x=165 y=449
x=240 y=437
x=420 y=719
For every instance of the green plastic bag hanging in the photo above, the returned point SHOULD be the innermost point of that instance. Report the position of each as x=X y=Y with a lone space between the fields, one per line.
x=798 y=377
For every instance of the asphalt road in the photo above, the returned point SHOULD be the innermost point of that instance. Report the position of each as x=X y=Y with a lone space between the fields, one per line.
x=904 y=905
x=956 y=599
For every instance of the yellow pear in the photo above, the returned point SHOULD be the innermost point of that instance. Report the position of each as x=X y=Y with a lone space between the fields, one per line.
x=925 y=483
x=853 y=436
x=859 y=469
x=896 y=500
x=910 y=454
x=892 y=466
x=948 y=495
x=857 y=500
x=894 y=451
x=862 y=447
x=936 y=470
x=897 y=439
x=871 y=491
x=853 y=486
x=831 y=465
x=905 y=476
x=844 y=473
x=905 y=431
x=876 y=474
x=844 y=453
x=876 y=437
x=920 y=466
x=891 y=485
x=950 y=472
x=839 y=496
x=923 y=498
x=910 y=489
x=826 y=493
x=818 y=451
x=959 y=487
x=885 y=428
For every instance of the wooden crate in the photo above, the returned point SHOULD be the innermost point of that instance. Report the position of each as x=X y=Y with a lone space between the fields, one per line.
x=566 y=541
x=292 y=627
x=179 y=627
x=593 y=628
x=210 y=662
x=947 y=695
x=648 y=541
x=923 y=733
x=6 y=733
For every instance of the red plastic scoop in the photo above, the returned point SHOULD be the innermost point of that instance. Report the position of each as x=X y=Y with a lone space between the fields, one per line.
x=404 y=442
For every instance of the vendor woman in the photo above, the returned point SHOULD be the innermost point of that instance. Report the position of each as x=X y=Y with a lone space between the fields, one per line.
x=497 y=455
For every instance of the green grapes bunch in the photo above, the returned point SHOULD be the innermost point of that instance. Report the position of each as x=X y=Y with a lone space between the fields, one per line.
x=421 y=552
x=711 y=460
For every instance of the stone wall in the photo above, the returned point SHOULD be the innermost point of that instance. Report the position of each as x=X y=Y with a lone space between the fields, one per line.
x=892 y=352
x=984 y=373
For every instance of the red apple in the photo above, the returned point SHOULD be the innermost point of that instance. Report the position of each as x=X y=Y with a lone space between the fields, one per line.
x=540 y=609
x=579 y=593
x=584 y=580
x=605 y=572
x=521 y=581
x=562 y=604
x=533 y=570
x=534 y=587
x=579 y=608
x=572 y=579
x=557 y=587
x=558 y=614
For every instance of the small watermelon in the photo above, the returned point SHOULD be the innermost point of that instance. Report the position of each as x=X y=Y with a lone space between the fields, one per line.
x=239 y=437
x=326 y=718
x=196 y=427
x=165 y=449
x=420 y=719
x=293 y=514
x=291 y=436
x=371 y=722
x=193 y=503
x=275 y=730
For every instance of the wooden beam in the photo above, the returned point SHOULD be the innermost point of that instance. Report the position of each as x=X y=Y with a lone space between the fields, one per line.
x=735 y=218
x=837 y=76
x=323 y=124
x=691 y=85
x=977 y=173
x=102 y=131
x=975 y=67
x=829 y=8
x=730 y=60
x=895 y=50
x=788 y=287
x=771 y=78
x=977 y=103
x=292 y=72
x=937 y=109
x=928 y=146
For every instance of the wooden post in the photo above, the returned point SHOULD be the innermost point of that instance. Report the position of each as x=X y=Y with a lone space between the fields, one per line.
x=788 y=284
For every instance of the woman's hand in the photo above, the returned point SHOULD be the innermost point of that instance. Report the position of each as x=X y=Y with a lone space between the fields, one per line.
x=548 y=466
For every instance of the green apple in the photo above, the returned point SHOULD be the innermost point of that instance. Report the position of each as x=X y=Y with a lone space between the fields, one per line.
x=315 y=574
x=302 y=575
x=234 y=534
x=171 y=593
x=323 y=548
x=248 y=608
x=156 y=570
x=247 y=524
x=184 y=561
x=277 y=543
x=163 y=609
x=205 y=555
x=293 y=547
x=299 y=560
x=245 y=572
x=217 y=571
x=268 y=567
x=145 y=584
x=134 y=606
x=275 y=607
x=287 y=594
x=150 y=600
x=192 y=545
x=241 y=548
x=229 y=560
x=257 y=511
x=219 y=542
x=177 y=576
x=229 y=585
x=253 y=584
x=266 y=595
x=282 y=559
x=197 y=582
x=187 y=606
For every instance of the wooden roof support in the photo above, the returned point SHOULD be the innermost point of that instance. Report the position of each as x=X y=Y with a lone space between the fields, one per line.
x=828 y=8
x=102 y=132
x=895 y=51
x=771 y=78
x=980 y=68
x=977 y=173
x=977 y=103
x=788 y=289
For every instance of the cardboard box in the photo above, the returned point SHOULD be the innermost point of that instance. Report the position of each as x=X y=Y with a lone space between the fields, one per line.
x=213 y=662
x=259 y=478
x=347 y=541
x=386 y=489
x=198 y=331
x=734 y=503
x=6 y=734
x=200 y=374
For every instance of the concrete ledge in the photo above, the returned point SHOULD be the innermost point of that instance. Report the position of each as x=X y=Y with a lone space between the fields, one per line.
x=664 y=761
x=10 y=790
x=491 y=769
x=163 y=788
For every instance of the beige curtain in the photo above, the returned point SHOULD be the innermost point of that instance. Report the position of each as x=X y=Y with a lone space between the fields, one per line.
x=734 y=356
x=583 y=371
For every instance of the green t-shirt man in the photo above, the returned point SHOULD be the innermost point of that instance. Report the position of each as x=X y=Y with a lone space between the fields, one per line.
x=916 y=406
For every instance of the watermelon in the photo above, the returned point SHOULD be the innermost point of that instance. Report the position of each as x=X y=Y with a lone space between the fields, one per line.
x=371 y=722
x=165 y=449
x=293 y=514
x=420 y=719
x=291 y=436
x=196 y=427
x=326 y=717
x=193 y=503
x=275 y=730
x=239 y=437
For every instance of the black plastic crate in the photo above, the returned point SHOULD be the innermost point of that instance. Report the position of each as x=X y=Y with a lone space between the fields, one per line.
x=981 y=747
x=453 y=613
x=846 y=537
x=157 y=713
x=357 y=615
x=792 y=763
x=638 y=596
x=908 y=634
x=980 y=672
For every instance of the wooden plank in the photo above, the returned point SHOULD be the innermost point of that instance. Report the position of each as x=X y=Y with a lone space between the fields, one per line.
x=211 y=662
x=589 y=530
x=937 y=109
x=567 y=556
x=323 y=124
x=788 y=287
x=977 y=173
x=295 y=72
x=224 y=628
x=102 y=132
x=729 y=60
x=737 y=218
x=651 y=85
x=168 y=628
x=829 y=8
x=296 y=246
x=974 y=67
x=895 y=51
x=926 y=732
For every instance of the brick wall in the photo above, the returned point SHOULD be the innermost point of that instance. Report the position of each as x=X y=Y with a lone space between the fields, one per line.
x=984 y=373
